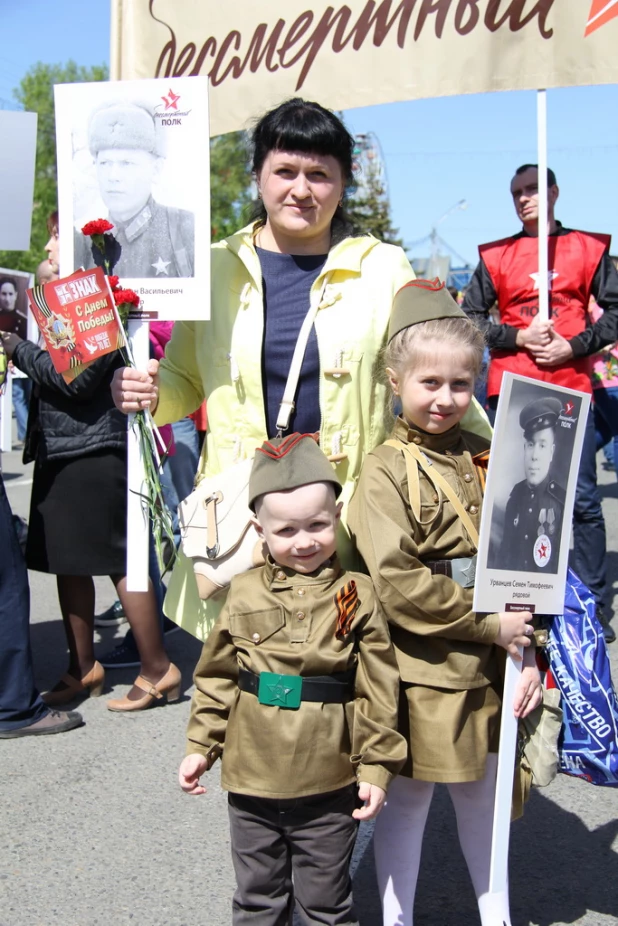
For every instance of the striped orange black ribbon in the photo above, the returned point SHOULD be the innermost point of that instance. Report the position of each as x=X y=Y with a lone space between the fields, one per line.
x=481 y=462
x=347 y=603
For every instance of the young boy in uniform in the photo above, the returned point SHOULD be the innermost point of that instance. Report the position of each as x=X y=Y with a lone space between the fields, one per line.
x=297 y=688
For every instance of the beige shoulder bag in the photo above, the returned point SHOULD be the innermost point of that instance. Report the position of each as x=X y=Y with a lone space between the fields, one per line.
x=215 y=520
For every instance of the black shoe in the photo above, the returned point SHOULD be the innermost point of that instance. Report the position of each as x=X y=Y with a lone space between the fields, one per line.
x=122 y=656
x=608 y=631
x=112 y=617
x=53 y=722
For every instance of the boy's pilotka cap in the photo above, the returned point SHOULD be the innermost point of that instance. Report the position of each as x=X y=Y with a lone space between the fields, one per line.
x=421 y=301
x=540 y=414
x=288 y=463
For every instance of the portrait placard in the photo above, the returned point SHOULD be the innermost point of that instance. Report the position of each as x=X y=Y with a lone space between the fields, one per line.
x=137 y=153
x=528 y=505
x=14 y=311
x=17 y=160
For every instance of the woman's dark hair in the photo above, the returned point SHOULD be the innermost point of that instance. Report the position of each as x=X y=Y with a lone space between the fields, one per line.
x=52 y=223
x=5 y=280
x=301 y=125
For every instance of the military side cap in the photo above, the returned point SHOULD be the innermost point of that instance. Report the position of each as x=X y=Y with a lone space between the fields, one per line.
x=288 y=463
x=421 y=301
x=539 y=414
x=123 y=125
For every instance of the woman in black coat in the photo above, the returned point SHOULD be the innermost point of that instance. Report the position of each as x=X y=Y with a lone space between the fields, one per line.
x=77 y=529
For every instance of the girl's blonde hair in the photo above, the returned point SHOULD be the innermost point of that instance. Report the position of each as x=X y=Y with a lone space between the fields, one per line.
x=410 y=346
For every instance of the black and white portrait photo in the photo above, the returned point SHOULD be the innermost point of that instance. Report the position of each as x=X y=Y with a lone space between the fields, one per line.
x=136 y=153
x=14 y=313
x=526 y=522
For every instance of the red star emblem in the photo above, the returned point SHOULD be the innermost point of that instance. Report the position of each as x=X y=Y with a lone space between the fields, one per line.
x=601 y=12
x=542 y=551
x=171 y=100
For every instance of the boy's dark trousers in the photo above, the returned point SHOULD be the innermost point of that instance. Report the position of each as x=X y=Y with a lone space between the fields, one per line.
x=298 y=849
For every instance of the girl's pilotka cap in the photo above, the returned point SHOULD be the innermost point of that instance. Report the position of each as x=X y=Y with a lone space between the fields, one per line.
x=421 y=301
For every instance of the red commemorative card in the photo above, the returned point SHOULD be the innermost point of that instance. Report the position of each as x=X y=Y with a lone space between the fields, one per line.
x=78 y=319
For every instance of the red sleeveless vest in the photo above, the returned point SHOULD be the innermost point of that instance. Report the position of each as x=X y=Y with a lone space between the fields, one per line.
x=513 y=267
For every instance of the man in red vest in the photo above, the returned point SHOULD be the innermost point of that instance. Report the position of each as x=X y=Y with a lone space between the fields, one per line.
x=554 y=351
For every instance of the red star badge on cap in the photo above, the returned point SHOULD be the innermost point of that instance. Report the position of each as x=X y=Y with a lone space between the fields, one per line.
x=601 y=11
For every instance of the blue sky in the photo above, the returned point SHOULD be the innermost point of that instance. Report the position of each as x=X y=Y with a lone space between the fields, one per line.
x=436 y=152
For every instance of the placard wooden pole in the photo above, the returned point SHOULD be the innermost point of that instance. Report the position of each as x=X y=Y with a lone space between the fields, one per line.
x=138 y=525
x=498 y=898
x=543 y=277
x=6 y=414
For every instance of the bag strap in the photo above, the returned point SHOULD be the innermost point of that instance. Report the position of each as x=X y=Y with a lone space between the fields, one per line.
x=412 y=453
x=287 y=402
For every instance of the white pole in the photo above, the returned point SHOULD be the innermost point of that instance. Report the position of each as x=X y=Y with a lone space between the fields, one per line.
x=543 y=278
x=498 y=898
x=138 y=526
x=6 y=414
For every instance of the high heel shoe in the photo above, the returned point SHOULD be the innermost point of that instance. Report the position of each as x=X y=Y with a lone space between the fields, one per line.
x=168 y=686
x=91 y=683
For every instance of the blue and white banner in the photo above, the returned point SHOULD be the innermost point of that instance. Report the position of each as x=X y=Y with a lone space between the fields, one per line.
x=580 y=668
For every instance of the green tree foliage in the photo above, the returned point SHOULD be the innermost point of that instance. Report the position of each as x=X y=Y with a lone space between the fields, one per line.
x=36 y=94
x=230 y=178
x=369 y=208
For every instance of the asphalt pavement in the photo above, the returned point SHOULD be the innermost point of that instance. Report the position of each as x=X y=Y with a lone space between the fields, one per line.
x=94 y=830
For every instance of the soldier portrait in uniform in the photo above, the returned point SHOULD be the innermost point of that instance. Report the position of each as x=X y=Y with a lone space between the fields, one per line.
x=524 y=539
x=534 y=511
x=529 y=499
x=126 y=143
x=14 y=302
x=137 y=154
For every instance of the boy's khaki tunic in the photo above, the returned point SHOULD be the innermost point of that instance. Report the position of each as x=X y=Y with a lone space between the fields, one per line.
x=440 y=642
x=277 y=620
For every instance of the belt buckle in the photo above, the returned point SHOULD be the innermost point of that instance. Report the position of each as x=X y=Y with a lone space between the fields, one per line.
x=283 y=691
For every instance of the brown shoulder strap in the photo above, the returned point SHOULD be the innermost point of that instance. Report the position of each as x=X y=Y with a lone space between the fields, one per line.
x=413 y=453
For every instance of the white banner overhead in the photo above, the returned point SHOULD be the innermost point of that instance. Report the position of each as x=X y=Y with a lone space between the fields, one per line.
x=364 y=51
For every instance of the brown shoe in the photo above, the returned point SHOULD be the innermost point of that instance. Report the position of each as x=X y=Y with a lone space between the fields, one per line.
x=53 y=722
x=92 y=684
x=168 y=686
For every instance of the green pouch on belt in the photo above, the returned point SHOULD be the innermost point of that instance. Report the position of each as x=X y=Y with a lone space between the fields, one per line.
x=280 y=690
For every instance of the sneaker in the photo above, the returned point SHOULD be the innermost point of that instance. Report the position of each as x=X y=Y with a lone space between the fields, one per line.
x=122 y=656
x=608 y=631
x=112 y=617
x=52 y=722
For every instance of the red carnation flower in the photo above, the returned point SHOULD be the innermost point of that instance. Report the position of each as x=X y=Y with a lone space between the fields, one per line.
x=98 y=227
x=126 y=295
x=113 y=280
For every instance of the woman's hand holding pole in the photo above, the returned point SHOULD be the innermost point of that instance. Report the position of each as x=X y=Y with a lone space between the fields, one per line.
x=135 y=390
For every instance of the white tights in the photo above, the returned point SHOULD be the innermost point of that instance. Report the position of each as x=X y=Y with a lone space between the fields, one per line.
x=399 y=835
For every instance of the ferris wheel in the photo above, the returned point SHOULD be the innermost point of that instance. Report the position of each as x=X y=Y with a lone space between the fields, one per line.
x=368 y=164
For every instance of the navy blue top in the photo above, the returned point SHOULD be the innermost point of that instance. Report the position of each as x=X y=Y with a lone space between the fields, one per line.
x=287 y=281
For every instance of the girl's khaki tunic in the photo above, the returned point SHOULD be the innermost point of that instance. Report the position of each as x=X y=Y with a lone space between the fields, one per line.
x=449 y=666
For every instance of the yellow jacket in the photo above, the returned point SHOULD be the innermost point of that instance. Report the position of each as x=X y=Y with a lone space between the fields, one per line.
x=221 y=360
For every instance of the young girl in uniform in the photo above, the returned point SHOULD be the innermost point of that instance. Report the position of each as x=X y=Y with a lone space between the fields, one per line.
x=406 y=525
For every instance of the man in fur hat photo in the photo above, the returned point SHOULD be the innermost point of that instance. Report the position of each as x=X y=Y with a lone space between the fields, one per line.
x=156 y=240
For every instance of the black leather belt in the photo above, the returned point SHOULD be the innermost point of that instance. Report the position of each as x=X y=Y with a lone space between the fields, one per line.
x=328 y=689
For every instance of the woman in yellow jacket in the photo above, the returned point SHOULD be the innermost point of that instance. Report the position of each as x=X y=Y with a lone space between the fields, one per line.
x=299 y=251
